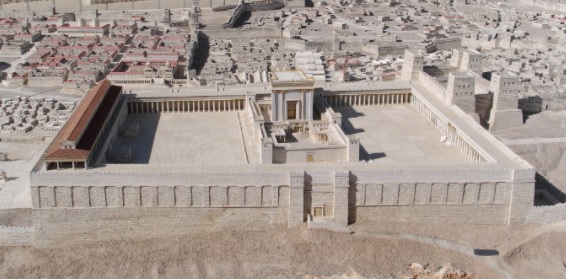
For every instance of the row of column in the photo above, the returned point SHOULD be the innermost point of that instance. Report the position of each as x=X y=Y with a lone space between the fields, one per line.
x=450 y=131
x=468 y=151
x=368 y=99
x=60 y=165
x=185 y=106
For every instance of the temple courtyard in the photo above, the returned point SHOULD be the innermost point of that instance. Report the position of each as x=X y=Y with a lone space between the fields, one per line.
x=186 y=139
x=396 y=134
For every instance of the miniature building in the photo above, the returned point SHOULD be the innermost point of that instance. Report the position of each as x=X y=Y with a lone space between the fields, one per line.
x=75 y=145
x=239 y=153
x=411 y=66
x=292 y=96
x=505 y=112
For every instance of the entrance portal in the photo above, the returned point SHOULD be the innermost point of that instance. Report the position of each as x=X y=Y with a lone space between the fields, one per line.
x=318 y=211
x=310 y=158
x=292 y=110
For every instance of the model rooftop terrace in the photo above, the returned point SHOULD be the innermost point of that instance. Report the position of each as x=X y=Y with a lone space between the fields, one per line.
x=289 y=76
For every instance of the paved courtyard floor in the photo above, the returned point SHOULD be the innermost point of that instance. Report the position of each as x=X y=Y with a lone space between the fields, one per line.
x=187 y=138
x=396 y=134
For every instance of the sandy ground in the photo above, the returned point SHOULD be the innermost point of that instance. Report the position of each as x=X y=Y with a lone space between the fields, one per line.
x=542 y=257
x=542 y=142
x=288 y=253
x=377 y=250
x=526 y=252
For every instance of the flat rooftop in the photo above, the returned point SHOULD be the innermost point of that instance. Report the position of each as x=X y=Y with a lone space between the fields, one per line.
x=187 y=138
x=289 y=75
x=396 y=134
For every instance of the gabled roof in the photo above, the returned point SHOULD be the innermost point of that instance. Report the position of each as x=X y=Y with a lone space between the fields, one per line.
x=93 y=109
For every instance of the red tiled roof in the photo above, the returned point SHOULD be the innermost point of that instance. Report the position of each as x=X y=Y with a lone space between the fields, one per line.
x=77 y=123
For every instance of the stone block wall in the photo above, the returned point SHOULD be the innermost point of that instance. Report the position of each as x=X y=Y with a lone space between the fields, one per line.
x=68 y=213
x=159 y=196
x=16 y=236
x=296 y=199
x=377 y=194
x=435 y=214
x=66 y=226
x=546 y=214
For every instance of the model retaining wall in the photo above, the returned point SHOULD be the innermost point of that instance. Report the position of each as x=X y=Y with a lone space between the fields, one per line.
x=546 y=214
x=66 y=226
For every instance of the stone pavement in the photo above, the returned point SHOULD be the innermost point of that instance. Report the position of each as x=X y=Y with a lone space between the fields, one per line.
x=15 y=193
x=396 y=133
x=187 y=138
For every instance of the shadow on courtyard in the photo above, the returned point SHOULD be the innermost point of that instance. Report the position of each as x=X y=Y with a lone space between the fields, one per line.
x=365 y=155
x=347 y=114
x=201 y=53
x=142 y=145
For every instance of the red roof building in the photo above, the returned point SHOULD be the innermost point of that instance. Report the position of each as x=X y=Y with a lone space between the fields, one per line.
x=73 y=145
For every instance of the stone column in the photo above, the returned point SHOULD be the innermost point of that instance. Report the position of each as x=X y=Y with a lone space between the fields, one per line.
x=309 y=106
x=296 y=198
x=341 y=188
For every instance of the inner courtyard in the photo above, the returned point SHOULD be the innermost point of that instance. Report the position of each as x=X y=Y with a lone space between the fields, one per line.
x=186 y=138
x=396 y=134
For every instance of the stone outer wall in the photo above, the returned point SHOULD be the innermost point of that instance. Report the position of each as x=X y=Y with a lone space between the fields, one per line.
x=546 y=214
x=65 y=212
x=16 y=236
x=435 y=214
x=65 y=226
x=158 y=196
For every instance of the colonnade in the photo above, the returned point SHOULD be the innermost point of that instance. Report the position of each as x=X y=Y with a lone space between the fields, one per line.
x=185 y=106
x=449 y=130
x=351 y=100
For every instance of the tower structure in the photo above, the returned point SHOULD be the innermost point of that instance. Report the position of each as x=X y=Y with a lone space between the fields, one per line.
x=472 y=61
x=504 y=111
x=460 y=91
x=195 y=16
x=412 y=65
x=96 y=20
x=166 y=16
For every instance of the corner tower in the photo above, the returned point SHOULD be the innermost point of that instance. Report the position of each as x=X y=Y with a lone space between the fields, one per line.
x=412 y=65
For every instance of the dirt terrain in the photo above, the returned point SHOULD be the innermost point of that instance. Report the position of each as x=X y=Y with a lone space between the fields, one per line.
x=376 y=251
x=288 y=253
